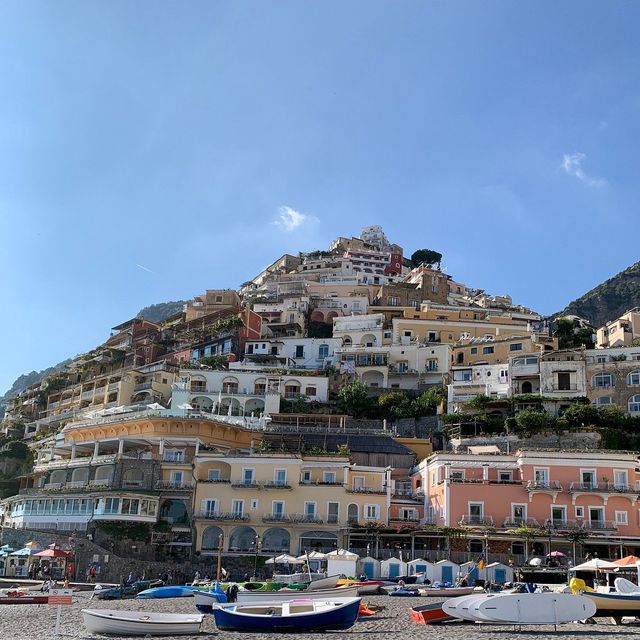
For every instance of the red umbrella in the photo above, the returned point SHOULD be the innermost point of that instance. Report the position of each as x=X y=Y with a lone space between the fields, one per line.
x=627 y=561
x=53 y=552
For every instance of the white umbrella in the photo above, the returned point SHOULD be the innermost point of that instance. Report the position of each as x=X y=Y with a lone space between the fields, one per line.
x=155 y=406
x=343 y=554
x=313 y=555
x=596 y=564
x=186 y=406
x=285 y=558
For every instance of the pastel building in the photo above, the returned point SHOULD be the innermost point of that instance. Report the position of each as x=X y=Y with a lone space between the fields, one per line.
x=553 y=491
x=613 y=378
x=288 y=502
x=620 y=332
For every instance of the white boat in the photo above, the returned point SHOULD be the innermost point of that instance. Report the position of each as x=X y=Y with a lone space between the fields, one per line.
x=284 y=594
x=323 y=583
x=140 y=623
x=626 y=587
x=444 y=592
x=522 y=608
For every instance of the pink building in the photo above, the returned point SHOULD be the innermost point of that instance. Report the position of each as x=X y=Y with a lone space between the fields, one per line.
x=556 y=492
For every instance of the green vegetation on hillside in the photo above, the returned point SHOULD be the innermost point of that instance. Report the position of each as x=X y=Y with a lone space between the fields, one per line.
x=608 y=300
x=161 y=311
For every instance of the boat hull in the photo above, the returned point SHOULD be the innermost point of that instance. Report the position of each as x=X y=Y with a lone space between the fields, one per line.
x=175 y=591
x=250 y=597
x=608 y=604
x=206 y=600
x=340 y=618
x=24 y=599
x=429 y=614
x=122 y=623
x=451 y=592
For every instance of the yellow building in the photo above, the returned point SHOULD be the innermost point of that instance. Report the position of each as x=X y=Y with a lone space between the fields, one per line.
x=500 y=349
x=620 y=332
x=280 y=502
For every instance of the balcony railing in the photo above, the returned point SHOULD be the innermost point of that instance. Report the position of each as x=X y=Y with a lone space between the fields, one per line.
x=173 y=486
x=535 y=485
x=224 y=516
x=600 y=525
x=320 y=483
x=521 y=522
x=276 y=517
x=601 y=487
x=369 y=490
x=277 y=485
x=216 y=480
x=245 y=484
x=411 y=520
x=476 y=521
x=305 y=518
x=564 y=387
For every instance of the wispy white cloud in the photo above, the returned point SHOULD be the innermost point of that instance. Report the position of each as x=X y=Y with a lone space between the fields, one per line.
x=141 y=266
x=572 y=164
x=289 y=219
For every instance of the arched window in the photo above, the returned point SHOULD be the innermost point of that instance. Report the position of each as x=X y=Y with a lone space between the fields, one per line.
x=633 y=379
x=133 y=478
x=211 y=538
x=352 y=514
x=603 y=380
x=634 y=404
x=346 y=341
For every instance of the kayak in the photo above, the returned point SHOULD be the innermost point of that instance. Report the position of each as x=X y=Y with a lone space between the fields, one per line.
x=170 y=591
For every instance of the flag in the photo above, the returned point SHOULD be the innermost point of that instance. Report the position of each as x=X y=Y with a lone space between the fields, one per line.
x=481 y=565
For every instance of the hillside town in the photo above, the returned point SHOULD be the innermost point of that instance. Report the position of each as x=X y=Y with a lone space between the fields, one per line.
x=350 y=398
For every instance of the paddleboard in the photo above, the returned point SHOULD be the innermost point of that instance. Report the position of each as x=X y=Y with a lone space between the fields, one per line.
x=534 y=608
x=460 y=607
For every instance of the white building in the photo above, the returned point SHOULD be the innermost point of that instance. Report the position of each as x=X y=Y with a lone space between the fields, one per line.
x=299 y=353
x=482 y=379
x=240 y=391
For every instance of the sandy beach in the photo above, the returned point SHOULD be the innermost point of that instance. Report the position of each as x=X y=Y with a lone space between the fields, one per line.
x=34 y=622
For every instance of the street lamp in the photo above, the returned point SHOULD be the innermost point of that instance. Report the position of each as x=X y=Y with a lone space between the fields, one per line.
x=550 y=528
x=257 y=543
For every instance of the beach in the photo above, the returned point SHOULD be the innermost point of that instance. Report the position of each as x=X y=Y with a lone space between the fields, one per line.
x=36 y=622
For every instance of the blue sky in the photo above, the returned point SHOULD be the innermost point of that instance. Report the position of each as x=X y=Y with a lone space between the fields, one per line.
x=147 y=148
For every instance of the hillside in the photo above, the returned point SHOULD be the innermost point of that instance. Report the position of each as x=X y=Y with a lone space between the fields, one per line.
x=608 y=300
x=154 y=313
x=161 y=311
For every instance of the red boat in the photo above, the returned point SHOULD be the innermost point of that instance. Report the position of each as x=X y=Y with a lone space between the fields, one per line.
x=23 y=597
x=429 y=614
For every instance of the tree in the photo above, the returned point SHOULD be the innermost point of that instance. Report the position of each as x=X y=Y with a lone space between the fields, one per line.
x=576 y=536
x=452 y=533
x=581 y=415
x=427 y=256
x=479 y=402
x=569 y=336
x=397 y=404
x=354 y=399
x=527 y=533
x=532 y=421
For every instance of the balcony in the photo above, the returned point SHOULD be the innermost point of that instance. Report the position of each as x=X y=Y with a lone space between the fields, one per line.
x=476 y=521
x=600 y=525
x=535 y=485
x=276 y=485
x=87 y=395
x=173 y=486
x=397 y=371
x=224 y=516
x=276 y=517
x=368 y=490
x=143 y=386
x=245 y=484
x=512 y=523
x=410 y=520
x=216 y=480
x=601 y=487
x=320 y=483
x=305 y=518
x=176 y=458
x=563 y=387
x=113 y=386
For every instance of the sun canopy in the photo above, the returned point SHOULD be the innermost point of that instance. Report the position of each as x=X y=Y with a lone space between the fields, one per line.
x=52 y=552
x=627 y=561
x=313 y=555
x=24 y=552
x=285 y=558
x=342 y=554
x=596 y=564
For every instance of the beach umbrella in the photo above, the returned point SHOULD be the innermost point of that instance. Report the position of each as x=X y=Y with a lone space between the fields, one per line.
x=627 y=561
x=285 y=558
x=596 y=564
x=53 y=552
x=313 y=555
x=185 y=406
x=556 y=554
x=155 y=406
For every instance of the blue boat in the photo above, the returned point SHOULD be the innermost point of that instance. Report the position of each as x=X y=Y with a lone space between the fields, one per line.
x=292 y=616
x=170 y=591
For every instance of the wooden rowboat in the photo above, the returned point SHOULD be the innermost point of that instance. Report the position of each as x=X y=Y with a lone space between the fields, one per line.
x=429 y=614
x=294 y=616
x=140 y=623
